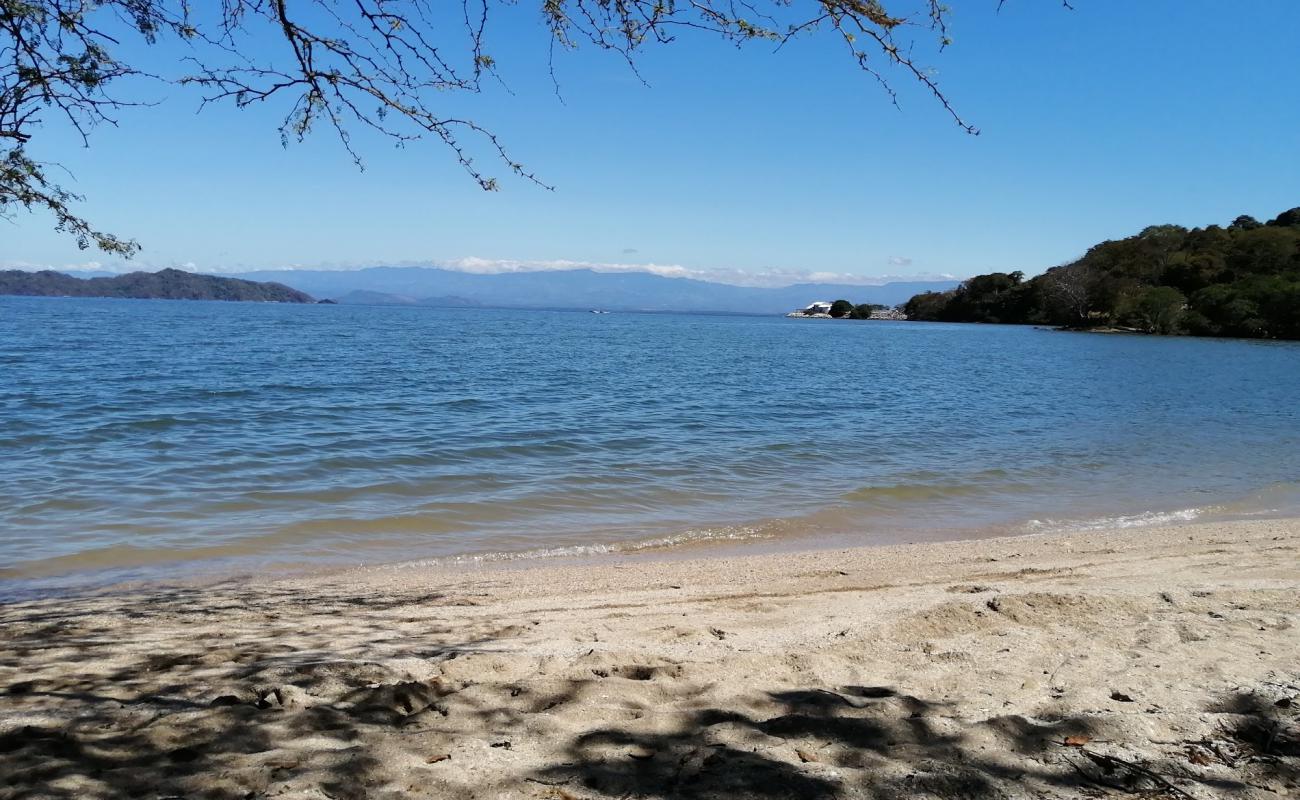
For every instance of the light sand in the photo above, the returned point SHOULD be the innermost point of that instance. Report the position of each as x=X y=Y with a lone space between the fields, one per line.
x=1159 y=663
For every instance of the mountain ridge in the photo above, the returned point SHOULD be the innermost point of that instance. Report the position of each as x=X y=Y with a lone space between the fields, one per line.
x=578 y=288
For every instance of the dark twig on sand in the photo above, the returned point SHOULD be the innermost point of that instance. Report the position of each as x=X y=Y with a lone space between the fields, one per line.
x=1110 y=763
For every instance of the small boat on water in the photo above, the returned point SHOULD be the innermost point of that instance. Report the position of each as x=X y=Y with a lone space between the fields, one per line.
x=598 y=311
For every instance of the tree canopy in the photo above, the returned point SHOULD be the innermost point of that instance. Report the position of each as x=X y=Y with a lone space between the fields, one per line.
x=385 y=65
x=865 y=310
x=1239 y=280
x=841 y=308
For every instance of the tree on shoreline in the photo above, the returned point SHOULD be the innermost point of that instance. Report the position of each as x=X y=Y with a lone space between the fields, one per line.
x=865 y=310
x=1240 y=280
x=382 y=65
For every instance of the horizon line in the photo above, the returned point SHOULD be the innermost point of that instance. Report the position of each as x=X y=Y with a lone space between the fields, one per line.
x=757 y=279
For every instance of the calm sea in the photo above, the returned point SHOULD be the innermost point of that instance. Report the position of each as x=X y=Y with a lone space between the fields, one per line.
x=162 y=438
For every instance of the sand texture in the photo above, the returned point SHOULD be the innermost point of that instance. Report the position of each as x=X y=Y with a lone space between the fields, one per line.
x=1142 y=663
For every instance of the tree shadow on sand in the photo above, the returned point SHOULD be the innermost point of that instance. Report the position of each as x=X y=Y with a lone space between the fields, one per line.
x=351 y=696
x=877 y=742
x=226 y=713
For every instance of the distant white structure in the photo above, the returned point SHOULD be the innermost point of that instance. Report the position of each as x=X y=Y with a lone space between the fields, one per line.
x=819 y=308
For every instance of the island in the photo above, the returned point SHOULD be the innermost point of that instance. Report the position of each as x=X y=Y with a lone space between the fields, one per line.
x=166 y=284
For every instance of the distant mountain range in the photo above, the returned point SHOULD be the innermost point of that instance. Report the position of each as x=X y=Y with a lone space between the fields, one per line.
x=363 y=297
x=167 y=284
x=579 y=288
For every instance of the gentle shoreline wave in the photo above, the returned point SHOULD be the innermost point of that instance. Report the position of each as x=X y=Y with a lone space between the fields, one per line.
x=808 y=534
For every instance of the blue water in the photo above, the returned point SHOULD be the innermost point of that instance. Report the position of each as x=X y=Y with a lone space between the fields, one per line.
x=169 y=437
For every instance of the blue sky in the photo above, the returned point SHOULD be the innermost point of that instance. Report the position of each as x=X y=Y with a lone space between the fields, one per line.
x=1095 y=123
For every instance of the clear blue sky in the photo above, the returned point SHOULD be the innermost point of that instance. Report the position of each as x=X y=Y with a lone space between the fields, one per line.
x=1096 y=123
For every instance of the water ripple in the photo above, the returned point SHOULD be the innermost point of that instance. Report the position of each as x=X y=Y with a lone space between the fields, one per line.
x=165 y=435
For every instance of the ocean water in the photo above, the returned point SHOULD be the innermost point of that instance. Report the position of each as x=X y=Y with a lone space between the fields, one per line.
x=160 y=438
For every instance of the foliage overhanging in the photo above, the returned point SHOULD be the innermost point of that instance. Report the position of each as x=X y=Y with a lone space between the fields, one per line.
x=384 y=65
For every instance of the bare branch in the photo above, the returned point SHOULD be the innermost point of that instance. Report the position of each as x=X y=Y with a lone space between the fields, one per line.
x=386 y=66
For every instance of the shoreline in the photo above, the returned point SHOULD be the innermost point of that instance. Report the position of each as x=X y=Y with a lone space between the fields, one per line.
x=951 y=669
x=767 y=536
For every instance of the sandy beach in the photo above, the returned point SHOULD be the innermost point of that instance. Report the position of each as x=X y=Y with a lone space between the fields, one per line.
x=1152 y=662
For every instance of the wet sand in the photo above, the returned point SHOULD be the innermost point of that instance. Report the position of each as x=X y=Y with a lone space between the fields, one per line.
x=1151 y=662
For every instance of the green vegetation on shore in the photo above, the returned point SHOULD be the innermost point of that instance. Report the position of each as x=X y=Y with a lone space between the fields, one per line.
x=167 y=284
x=843 y=308
x=1242 y=280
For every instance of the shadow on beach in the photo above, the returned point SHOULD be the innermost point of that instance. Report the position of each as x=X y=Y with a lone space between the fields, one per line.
x=237 y=693
x=208 y=709
x=877 y=742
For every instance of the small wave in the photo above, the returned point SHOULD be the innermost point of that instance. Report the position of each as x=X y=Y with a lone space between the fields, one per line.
x=464 y=404
x=1144 y=520
x=929 y=488
x=1281 y=498
x=144 y=425
x=331 y=530
x=911 y=492
x=697 y=536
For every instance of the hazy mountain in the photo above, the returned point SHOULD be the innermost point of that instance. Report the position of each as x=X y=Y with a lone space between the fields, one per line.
x=364 y=297
x=167 y=284
x=623 y=291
